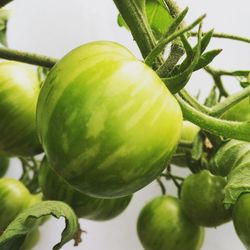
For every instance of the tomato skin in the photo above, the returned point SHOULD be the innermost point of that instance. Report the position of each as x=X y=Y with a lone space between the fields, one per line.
x=55 y=188
x=241 y=219
x=14 y=198
x=202 y=196
x=239 y=112
x=188 y=133
x=106 y=121
x=19 y=88
x=163 y=225
x=4 y=164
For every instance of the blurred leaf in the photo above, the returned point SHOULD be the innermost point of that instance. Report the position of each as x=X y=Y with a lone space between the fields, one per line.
x=212 y=98
x=158 y=17
x=207 y=58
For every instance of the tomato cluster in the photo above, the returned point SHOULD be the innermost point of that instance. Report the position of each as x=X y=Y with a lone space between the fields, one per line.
x=108 y=126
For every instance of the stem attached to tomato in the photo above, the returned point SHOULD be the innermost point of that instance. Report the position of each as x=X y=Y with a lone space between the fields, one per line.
x=26 y=57
x=134 y=14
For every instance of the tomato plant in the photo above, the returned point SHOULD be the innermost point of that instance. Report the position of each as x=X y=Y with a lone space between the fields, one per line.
x=163 y=225
x=55 y=188
x=202 y=196
x=19 y=88
x=116 y=129
x=108 y=124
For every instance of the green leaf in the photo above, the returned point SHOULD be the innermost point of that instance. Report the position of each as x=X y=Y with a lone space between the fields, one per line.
x=238 y=182
x=4 y=16
x=158 y=17
x=207 y=58
x=14 y=236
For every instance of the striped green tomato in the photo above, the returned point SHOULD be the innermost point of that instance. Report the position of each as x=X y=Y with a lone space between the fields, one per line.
x=106 y=120
x=14 y=198
x=55 y=188
x=19 y=88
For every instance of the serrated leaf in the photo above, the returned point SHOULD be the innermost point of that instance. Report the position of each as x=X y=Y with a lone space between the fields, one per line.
x=14 y=236
x=158 y=17
x=177 y=82
x=207 y=58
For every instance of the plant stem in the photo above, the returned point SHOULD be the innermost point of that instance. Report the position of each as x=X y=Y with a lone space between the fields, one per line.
x=217 y=80
x=161 y=44
x=26 y=57
x=134 y=16
x=163 y=189
x=222 y=107
x=226 y=36
x=193 y=101
x=228 y=129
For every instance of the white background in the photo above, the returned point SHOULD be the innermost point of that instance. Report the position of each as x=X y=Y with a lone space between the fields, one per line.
x=53 y=27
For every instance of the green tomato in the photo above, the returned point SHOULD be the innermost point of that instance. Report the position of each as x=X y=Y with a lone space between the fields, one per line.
x=163 y=225
x=239 y=112
x=188 y=133
x=31 y=240
x=4 y=164
x=241 y=219
x=14 y=198
x=202 y=196
x=19 y=88
x=106 y=121
x=55 y=188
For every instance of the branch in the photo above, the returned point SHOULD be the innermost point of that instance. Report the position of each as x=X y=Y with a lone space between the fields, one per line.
x=226 y=36
x=230 y=101
x=26 y=57
x=228 y=129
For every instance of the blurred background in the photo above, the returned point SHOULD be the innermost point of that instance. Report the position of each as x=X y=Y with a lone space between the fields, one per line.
x=54 y=27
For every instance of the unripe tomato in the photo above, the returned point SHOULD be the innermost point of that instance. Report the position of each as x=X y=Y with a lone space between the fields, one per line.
x=19 y=88
x=163 y=225
x=4 y=164
x=55 y=188
x=241 y=219
x=14 y=198
x=188 y=133
x=202 y=196
x=239 y=112
x=106 y=121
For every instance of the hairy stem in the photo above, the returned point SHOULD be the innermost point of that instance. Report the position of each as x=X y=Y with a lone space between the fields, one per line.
x=228 y=129
x=26 y=57
x=222 y=107
x=226 y=36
